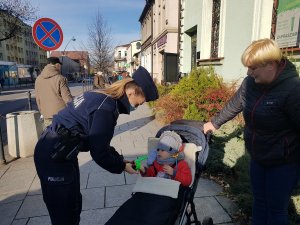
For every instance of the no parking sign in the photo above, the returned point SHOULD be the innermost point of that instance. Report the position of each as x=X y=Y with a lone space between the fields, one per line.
x=47 y=34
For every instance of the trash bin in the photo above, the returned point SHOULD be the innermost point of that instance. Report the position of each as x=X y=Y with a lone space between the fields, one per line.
x=23 y=131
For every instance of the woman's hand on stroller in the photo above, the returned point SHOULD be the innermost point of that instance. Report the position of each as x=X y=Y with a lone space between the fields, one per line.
x=208 y=127
x=129 y=169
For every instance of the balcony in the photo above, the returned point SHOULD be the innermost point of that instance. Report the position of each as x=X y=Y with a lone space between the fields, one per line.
x=120 y=58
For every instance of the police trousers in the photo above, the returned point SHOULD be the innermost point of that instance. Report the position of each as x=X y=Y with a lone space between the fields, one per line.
x=60 y=183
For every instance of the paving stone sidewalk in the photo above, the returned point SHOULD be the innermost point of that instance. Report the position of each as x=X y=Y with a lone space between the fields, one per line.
x=21 y=201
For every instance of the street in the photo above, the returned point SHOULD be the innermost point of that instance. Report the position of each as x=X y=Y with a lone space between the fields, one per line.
x=21 y=199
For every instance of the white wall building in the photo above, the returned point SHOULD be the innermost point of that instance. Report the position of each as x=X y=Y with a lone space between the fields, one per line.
x=120 y=57
x=132 y=56
x=216 y=33
x=146 y=20
x=165 y=40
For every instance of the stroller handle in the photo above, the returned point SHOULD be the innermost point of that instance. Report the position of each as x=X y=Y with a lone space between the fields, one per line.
x=208 y=136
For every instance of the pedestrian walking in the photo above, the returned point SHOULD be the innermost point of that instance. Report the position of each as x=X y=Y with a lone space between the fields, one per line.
x=269 y=98
x=51 y=90
x=87 y=123
x=99 y=81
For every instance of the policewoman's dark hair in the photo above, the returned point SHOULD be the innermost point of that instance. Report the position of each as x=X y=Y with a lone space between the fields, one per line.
x=117 y=89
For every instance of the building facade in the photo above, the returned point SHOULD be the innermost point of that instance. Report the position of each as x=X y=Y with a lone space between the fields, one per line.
x=120 y=58
x=159 y=54
x=215 y=33
x=75 y=63
x=165 y=40
x=22 y=52
x=146 y=20
x=133 y=60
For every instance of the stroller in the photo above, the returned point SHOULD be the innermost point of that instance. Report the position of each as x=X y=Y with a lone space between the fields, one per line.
x=159 y=201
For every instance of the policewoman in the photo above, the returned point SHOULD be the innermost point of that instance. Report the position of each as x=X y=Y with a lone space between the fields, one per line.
x=87 y=123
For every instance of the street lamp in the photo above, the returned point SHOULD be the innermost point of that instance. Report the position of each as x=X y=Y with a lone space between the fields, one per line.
x=62 y=59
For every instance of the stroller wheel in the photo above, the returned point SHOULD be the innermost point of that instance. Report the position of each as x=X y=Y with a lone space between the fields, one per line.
x=207 y=221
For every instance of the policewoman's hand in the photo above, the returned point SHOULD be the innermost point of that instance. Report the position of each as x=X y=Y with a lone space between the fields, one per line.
x=129 y=169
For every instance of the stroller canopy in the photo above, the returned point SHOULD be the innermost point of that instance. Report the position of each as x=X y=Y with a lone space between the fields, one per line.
x=191 y=131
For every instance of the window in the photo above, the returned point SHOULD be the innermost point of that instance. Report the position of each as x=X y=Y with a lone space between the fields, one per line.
x=274 y=19
x=1 y=56
x=193 y=49
x=215 y=29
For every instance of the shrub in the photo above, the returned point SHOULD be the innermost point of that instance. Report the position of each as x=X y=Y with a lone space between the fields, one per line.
x=193 y=113
x=164 y=89
x=214 y=99
x=192 y=87
x=187 y=95
x=168 y=109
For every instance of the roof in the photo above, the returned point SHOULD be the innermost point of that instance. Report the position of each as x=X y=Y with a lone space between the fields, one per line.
x=146 y=9
x=125 y=45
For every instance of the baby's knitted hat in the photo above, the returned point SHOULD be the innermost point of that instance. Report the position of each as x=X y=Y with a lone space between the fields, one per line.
x=170 y=141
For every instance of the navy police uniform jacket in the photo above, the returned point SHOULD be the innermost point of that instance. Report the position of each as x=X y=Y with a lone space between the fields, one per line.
x=272 y=117
x=94 y=115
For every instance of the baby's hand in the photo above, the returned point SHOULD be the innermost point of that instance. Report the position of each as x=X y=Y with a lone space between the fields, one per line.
x=142 y=169
x=168 y=170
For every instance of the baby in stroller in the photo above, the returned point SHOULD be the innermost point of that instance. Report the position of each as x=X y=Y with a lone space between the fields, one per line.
x=159 y=201
x=167 y=160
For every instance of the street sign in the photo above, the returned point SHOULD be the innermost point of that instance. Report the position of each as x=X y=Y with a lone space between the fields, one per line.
x=47 y=34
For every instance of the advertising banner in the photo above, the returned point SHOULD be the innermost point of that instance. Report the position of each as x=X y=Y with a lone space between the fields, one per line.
x=288 y=23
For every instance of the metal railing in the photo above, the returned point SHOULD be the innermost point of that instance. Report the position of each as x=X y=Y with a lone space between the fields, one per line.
x=87 y=84
x=12 y=83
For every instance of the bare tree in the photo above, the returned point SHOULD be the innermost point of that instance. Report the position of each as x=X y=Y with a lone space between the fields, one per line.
x=101 y=50
x=14 y=13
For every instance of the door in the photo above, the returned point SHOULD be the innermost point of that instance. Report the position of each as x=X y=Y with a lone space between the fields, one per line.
x=171 y=67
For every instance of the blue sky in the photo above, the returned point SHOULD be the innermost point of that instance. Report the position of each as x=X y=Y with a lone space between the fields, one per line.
x=74 y=16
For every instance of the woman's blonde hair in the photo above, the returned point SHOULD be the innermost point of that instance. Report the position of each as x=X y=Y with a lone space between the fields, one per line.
x=261 y=52
x=117 y=89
